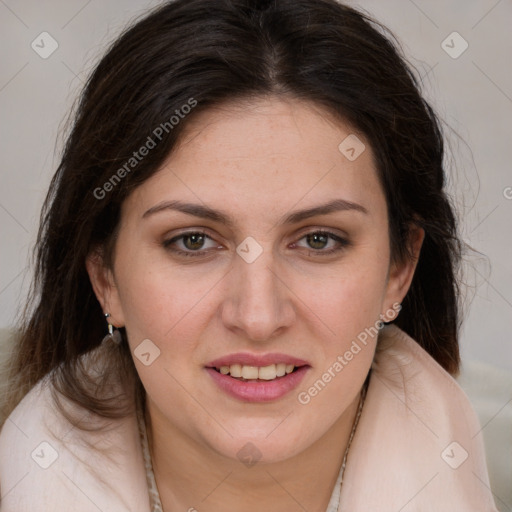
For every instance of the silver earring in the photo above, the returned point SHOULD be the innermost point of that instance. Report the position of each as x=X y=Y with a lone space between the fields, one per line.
x=113 y=335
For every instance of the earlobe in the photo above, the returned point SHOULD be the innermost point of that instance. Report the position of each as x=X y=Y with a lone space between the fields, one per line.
x=102 y=282
x=401 y=274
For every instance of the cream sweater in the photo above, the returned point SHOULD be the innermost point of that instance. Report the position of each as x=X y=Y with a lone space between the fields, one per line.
x=417 y=448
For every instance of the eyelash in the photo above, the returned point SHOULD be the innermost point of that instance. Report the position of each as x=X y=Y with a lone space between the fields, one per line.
x=343 y=244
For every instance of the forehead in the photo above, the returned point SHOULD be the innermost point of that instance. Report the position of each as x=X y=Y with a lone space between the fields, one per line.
x=266 y=155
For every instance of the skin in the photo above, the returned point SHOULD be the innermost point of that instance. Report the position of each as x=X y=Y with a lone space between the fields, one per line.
x=257 y=162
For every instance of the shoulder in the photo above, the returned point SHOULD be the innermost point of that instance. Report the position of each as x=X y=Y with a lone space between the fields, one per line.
x=47 y=464
x=419 y=440
x=421 y=387
x=405 y=368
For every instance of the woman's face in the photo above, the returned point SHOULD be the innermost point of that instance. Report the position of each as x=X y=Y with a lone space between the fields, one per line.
x=260 y=242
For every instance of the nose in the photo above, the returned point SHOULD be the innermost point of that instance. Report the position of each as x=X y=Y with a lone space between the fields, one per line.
x=259 y=304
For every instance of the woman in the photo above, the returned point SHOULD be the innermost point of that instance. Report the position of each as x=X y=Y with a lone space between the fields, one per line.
x=245 y=291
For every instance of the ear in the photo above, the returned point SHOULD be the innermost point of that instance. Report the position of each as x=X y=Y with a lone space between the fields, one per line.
x=401 y=273
x=105 y=289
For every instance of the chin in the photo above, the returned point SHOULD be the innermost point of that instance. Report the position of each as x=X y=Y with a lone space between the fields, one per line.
x=265 y=444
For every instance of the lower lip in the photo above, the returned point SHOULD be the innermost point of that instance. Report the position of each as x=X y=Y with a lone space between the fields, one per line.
x=258 y=391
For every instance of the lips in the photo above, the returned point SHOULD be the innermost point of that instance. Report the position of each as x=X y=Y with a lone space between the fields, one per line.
x=257 y=378
x=256 y=360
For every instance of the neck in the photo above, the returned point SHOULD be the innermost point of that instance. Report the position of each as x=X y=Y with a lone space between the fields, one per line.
x=192 y=477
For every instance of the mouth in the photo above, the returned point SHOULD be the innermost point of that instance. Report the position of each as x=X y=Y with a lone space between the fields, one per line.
x=249 y=373
x=251 y=378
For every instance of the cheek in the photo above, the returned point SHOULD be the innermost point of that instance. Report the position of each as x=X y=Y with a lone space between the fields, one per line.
x=348 y=308
x=163 y=315
x=345 y=345
x=157 y=298
x=347 y=301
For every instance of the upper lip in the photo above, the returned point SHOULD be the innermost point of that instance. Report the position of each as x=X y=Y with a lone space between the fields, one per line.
x=246 y=359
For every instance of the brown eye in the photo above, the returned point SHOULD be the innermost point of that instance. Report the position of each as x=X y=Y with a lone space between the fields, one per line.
x=194 y=241
x=317 y=240
x=323 y=243
x=191 y=243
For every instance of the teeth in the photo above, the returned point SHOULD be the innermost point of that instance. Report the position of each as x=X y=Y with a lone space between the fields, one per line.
x=235 y=370
x=269 y=372
x=250 y=372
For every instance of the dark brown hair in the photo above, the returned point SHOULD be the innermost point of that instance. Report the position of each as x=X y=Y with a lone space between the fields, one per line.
x=207 y=52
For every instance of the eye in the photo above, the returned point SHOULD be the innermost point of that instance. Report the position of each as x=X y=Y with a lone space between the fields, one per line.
x=191 y=243
x=323 y=242
x=198 y=243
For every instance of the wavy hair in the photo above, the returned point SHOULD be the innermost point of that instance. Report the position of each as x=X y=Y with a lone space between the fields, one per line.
x=214 y=51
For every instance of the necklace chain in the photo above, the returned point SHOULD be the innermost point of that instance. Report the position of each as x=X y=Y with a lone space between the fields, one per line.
x=154 y=496
x=354 y=427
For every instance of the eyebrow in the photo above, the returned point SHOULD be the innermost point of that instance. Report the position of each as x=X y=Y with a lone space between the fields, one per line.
x=205 y=212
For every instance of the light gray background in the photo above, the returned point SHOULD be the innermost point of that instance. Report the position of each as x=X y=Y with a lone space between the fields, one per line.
x=472 y=93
